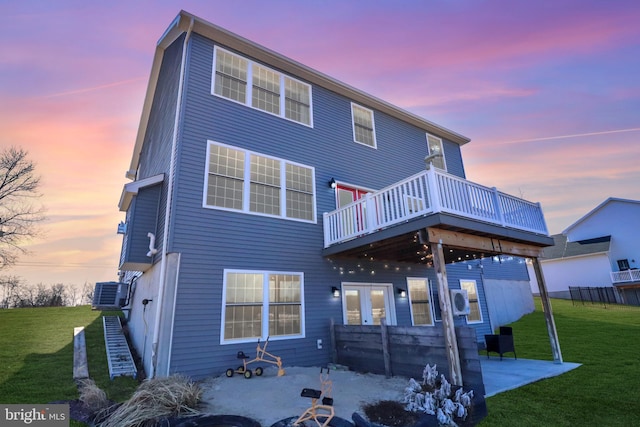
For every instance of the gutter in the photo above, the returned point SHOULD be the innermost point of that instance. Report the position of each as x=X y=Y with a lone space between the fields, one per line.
x=163 y=262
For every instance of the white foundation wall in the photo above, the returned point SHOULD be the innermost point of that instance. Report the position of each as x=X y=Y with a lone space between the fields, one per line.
x=507 y=300
x=585 y=271
x=141 y=317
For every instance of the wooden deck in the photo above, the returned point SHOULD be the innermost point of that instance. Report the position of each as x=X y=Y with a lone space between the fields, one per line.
x=427 y=193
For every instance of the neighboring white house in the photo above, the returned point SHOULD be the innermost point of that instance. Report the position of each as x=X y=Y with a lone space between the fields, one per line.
x=601 y=249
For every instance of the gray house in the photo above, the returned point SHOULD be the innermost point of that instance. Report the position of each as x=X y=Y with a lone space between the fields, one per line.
x=267 y=198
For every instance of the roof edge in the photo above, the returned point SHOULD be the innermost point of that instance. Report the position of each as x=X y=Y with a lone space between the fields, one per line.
x=131 y=189
x=597 y=208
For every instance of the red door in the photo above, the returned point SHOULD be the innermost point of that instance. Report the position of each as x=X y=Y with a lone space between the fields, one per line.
x=353 y=221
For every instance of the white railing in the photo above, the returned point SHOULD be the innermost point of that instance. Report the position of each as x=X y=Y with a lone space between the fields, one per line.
x=430 y=192
x=625 y=276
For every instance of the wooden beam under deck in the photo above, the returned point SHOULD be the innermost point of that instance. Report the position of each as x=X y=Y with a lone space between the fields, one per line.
x=456 y=239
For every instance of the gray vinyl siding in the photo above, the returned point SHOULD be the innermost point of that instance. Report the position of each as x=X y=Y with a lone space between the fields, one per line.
x=505 y=267
x=211 y=240
x=155 y=155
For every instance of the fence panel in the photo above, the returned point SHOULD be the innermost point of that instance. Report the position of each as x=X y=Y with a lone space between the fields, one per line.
x=595 y=295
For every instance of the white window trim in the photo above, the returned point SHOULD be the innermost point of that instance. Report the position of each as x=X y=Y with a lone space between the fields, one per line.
x=433 y=314
x=246 y=192
x=249 y=92
x=475 y=284
x=265 y=307
x=444 y=159
x=373 y=123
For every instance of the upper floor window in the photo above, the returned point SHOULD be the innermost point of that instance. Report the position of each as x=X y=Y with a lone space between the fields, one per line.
x=364 y=130
x=269 y=90
x=623 y=264
x=434 y=145
x=249 y=182
x=475 y=314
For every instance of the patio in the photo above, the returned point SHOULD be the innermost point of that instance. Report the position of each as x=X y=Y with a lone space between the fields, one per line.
x=508 y=373
x=270 y=398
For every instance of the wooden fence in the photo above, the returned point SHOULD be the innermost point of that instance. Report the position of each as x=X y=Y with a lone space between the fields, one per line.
x=405 y=350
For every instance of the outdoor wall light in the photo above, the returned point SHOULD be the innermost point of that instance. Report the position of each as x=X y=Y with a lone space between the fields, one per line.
x=402 y=293
x=335 y=292
x=333 y=183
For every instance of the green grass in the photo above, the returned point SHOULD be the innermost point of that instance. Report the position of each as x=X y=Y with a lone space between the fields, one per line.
x=602 y=392
x=36 y=364
x=36 y=355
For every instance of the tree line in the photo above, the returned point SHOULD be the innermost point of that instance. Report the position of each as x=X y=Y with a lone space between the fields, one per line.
x=15 y=293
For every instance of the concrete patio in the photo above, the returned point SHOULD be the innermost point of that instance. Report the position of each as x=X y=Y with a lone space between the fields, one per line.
x=509 y=373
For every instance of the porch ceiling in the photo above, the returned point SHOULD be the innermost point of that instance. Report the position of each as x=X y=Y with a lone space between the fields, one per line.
x=464 y=240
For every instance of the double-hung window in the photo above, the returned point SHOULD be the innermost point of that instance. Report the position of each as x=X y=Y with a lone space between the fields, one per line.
x=364 y=130
x=266 y=90
x=247 y=82
x=244 y=181
x=420 y=299
x=475 y=314
x=434 y=145
x=230 y=76
x=261 y=304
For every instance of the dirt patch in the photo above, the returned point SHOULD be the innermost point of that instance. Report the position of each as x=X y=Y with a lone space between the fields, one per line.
x=390 y=413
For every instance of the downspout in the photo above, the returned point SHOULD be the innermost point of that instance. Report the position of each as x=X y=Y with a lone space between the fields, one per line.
x=163 y=262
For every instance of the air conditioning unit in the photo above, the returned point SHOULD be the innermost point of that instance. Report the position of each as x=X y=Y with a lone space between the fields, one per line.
x=460 y=302
x=110 y=295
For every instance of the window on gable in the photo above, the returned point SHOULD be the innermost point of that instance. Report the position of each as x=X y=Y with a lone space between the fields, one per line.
x=266 y=89
x=249 y=182
x=434 y=145
x=269 y=90
x=475 y=315
x=262 y=304
x=419 y=297
x=363 y=126
x=231 y=76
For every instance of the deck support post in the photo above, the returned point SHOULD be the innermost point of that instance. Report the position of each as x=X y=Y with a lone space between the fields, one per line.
x=548 y=313
x=450 y=339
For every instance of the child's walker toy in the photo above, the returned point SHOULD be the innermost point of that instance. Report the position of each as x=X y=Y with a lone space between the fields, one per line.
x=317 y=412
x=261 y=356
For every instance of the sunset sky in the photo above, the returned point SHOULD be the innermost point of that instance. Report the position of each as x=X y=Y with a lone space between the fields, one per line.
x=547 y=90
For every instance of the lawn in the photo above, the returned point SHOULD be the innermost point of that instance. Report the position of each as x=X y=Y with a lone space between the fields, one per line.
x=602 y=392
x=36 y=355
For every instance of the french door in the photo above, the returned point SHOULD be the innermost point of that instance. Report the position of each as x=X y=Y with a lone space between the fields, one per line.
x=367 y=303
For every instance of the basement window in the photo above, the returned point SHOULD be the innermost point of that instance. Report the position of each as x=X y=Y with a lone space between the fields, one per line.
x=262 y=304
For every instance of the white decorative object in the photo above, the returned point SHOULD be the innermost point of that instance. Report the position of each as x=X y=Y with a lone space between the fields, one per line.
x=435 y=399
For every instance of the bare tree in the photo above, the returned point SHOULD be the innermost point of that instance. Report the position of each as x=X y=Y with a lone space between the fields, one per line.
x=87 y=293
x=9 y=285
x=18 y=213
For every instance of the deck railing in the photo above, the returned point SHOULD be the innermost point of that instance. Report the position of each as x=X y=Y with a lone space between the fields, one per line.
x=625 y=276
x=428 y=192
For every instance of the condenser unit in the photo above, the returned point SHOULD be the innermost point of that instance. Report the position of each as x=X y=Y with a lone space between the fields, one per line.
x=460 y=302
x=110 y=295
